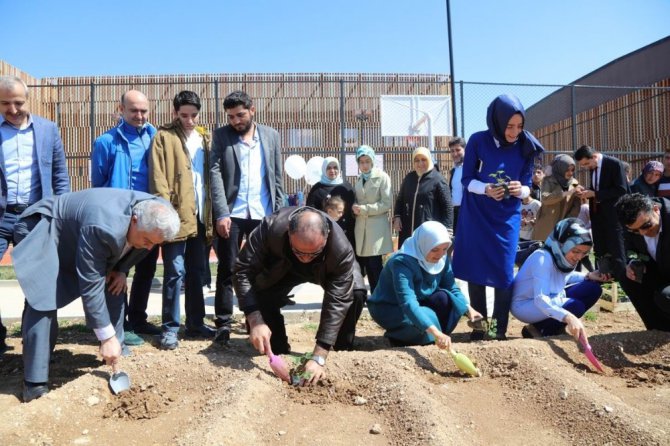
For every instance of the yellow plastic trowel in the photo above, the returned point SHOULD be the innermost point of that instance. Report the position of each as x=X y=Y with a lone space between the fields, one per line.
x=464 y=363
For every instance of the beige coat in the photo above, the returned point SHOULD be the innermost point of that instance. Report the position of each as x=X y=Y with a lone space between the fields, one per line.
x=373 y=227
x=170 y=177
x=555 y=207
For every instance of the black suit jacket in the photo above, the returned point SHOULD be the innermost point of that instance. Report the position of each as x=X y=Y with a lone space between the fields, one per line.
x=612 y=185
x=635 y=243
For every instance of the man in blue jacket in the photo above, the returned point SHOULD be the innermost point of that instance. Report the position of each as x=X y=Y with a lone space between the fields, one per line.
x=32 y=165
x=120 y=160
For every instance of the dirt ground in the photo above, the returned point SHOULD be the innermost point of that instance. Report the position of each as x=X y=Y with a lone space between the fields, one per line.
x=531 y=392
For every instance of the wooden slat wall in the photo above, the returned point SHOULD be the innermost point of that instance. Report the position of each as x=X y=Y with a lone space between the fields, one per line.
x=303 y=107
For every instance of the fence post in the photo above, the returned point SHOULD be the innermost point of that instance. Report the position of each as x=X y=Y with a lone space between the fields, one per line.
x=216 y=103
x=342 y=160
x=574 y=117
x=462 y=111
x=92 y=113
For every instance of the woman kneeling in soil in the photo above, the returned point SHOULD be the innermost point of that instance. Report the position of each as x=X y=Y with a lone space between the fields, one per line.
x=548 y=293
x=417 y=300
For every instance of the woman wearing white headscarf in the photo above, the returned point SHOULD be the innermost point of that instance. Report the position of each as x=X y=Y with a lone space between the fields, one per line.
x=423 y=196
x=417 y=300
x=548 y=293
x=332 y=184
x=373 y=203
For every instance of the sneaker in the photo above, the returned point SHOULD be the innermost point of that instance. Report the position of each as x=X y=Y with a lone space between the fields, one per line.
x=34 y=391
x=169 y=340
x=222 y=335
x=147 y=329
x=130 y=338
x=201 y=331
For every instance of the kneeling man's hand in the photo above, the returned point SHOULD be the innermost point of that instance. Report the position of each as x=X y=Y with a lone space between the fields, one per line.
x=313 y=373
x=110 y=349
x=259 y=332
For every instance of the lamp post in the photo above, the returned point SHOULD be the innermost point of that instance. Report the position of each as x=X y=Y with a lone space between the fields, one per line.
x=451 y=71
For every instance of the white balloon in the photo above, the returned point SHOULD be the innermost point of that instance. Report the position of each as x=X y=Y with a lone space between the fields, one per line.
x=295 y=166
x=314 y=170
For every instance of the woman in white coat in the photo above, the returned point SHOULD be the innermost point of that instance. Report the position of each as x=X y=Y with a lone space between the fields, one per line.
x=373 y=203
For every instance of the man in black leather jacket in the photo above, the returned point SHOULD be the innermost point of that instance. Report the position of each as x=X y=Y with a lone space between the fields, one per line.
x=291 y=247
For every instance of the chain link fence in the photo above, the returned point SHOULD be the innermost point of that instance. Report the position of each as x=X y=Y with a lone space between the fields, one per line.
x=331 y=115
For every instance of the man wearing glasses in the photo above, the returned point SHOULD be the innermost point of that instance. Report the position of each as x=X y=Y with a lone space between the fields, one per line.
x=291 y=247
x=647 y=244
x=120 y=159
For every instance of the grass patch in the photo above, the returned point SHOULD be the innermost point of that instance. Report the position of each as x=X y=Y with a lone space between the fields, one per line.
x=310 y=326
x=590 y=316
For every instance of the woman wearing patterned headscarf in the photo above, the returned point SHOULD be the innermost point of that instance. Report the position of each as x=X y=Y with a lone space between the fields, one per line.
x=331 y=185
x=423 y=196
x=548 y=293
x=417 y=300
x=373 y=202
x=558 y=196
x=490 y=216
x=647 y=182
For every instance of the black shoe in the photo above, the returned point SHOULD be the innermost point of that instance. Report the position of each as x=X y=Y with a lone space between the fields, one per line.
x=201 y=331
x=3 y=336
x=222 y=335
x=500 y=337
x=33 y=392
x=147 y=329
x=477 y=335
x=530 y=332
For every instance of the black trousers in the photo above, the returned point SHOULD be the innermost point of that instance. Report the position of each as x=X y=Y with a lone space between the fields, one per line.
x=227 y=250
x=651 y=300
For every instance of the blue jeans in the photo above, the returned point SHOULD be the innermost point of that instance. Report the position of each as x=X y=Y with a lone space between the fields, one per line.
x=182 y=262
x=136 y=307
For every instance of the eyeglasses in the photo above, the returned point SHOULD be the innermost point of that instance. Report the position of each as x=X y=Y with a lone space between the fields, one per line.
x=643 y=227
x=309 y=255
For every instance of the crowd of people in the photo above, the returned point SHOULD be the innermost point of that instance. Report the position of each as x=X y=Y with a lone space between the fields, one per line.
x=180 y=190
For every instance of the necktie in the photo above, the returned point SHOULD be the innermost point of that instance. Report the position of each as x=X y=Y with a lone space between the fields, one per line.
x=594 y=201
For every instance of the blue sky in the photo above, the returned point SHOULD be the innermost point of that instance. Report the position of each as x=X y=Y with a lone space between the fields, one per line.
x=501 y=41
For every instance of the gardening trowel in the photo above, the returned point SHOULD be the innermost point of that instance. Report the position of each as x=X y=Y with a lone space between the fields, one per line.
x=464 y=363
x=119 y=381
x=279 y=366
x=589 y=353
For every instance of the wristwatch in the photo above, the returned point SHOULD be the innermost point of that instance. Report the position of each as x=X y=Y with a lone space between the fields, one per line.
x=319 y=360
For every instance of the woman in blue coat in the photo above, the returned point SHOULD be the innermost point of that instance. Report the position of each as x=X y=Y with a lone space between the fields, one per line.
x=485 y=247
x=417 y=300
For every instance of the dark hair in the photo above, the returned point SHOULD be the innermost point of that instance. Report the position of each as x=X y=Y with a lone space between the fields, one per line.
x=629 y=207
x=456 y=141
x=295 y=225
x=237 y=98
x=186 y=98
x=331 y=202
x=584 y=152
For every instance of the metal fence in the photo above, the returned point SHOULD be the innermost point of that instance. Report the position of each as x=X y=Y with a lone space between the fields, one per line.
x=326 y=116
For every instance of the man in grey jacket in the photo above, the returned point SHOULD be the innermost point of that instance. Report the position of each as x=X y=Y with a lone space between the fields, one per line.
x=246 y=186
x=84 y=244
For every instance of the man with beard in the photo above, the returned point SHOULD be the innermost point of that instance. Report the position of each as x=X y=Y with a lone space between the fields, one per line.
x=246 y=186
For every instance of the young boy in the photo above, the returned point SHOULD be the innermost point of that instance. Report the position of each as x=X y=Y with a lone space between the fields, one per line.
x=529 y=209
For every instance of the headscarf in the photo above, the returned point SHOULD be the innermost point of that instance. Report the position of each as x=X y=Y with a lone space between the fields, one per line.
x=653 y=166
x=426 y=237
x=498 y=115
x=367 y=151
x=324 y=172
x=566 y=235
x=559 y=166
x=425 y=152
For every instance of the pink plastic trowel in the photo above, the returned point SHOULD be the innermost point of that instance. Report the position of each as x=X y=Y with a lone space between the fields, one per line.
x=279 y=367
x=589 y=353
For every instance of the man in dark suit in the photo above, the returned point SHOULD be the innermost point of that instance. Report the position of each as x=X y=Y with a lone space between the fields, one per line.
x=608 y=184
x=83 y=245
x=25 y=136
x=648 y=247
x=246 y=186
